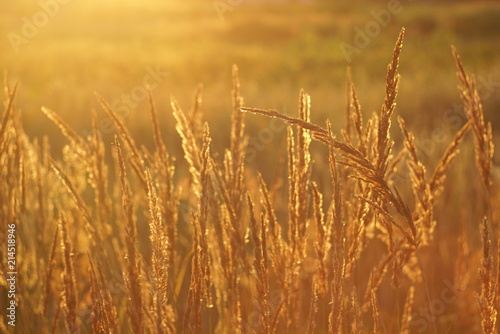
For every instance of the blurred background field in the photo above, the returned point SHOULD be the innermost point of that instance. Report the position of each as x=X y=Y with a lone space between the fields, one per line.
x=280 y=47
x=110 y=47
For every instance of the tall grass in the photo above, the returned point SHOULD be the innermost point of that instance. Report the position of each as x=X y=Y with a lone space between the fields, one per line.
x=111 y=239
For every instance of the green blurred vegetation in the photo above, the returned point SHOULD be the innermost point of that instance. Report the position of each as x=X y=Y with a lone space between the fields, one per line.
x=280 y=47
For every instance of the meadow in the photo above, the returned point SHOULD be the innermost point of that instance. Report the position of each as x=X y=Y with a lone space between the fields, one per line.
x=169 y=167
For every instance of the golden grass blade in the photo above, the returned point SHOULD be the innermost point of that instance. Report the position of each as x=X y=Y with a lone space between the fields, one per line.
x=160 y=146
x=237 y=123
x=483 y=133
x=104 y=318
x=348 y=104
x=69 y=296
x=260 y=264
x=291 y=120
x=82 y=207
x=313 y=310
x=357 y=120
x=338 y=242
x=162 y=312
x=375 y=313
x=50 y=270
x=421 y=189
x=407 y=311
x=189 y=143
x=132 y=275
x=486 y=299
x=437 y=179
x=356 y=316
x=8 y=111
x=66 y=130
x=136 y=160
x=320 y=243
x=202 y=218
x=196 y=115
x=384 y=144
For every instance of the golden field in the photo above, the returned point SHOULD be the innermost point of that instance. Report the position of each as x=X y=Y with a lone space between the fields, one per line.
x=334 y=181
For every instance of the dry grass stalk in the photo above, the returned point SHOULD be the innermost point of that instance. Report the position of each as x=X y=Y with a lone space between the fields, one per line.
x=356 y=326
x=231 y=211
x=337 y=240
x=348 y=105
x=203 y=210
x=483 y=133
x=299 y=161
x=200 y=286
x=364 y=170
x=375 y=279
x=189 y=144
x=132 y=275
x=69 y=294
x=486 y=299
x=234 y=252
x=393 y=166
x=169 y=197
x=384 y=144
x=320 y=244
x=42 y=195
x=7 y=114
x=82 y=207
x=50 y=270
x=66 y=130
x=357 y=120
x=237 y=144
x=195 y=296
x=407 y=311
x=279 y=249
x=195 y=114
x=437 y=179
x=259 y=232
x=313 y=310
x=375 y=312
x=302 y=174
x=98 y=178
x=104 y=318
x=232 y=225
x=231 y=181
x=421 y=189
x=160 y=145
x=359 y=213
x=162 y=312
x=483 y=143
x=99 y=325
x=136 y=161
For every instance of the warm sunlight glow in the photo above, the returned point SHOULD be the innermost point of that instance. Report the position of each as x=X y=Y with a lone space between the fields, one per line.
x=250 y=166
